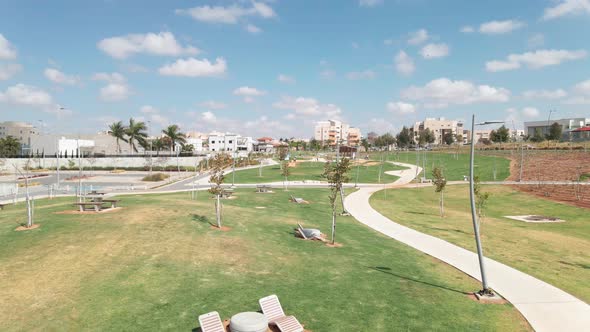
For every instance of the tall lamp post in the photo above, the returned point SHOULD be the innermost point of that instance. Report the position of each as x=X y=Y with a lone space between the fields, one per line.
x=486 y=291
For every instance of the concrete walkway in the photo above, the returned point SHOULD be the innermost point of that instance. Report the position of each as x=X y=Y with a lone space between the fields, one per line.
x=546 y=307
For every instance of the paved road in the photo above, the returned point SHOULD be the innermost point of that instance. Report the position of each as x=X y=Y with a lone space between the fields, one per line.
x=546 y=307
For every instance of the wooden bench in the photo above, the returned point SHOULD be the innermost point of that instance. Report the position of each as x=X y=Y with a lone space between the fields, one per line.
x=112 y=201
x=2 y=206
x=96 y=206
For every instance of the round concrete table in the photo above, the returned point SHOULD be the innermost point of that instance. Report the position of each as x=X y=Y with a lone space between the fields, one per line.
x=248 y=322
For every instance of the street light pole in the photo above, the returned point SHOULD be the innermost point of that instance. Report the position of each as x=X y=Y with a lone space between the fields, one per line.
x=486 y=291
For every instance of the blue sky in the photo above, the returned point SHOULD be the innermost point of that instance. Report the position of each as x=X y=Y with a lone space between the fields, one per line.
x=274 y=67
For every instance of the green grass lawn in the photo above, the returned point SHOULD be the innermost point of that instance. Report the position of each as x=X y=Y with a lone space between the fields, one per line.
x=557 y=253
x=313 y=171
x=454 y=166
x=156 y=264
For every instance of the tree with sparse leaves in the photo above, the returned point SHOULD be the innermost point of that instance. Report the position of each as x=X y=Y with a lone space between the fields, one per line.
x=481 y=198
x=440 y=184
x=286 y=172
x=337 y=174
x=502 y=135
x=217 y=165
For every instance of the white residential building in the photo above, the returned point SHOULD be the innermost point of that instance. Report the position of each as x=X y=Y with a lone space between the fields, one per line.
x=220 y=142
x=439 y=126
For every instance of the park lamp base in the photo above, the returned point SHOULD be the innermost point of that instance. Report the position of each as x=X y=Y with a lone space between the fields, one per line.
x=488 y=296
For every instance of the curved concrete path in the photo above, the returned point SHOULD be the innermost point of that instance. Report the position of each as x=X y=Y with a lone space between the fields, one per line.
x=546 y=307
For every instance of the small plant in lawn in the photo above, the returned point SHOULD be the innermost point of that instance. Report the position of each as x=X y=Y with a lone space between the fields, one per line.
x=217 y=164
x=440 y=183
x=336 y=174
x=156 y=177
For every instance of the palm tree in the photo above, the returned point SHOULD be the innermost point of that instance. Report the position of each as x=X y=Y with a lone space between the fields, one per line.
x=158 y=145
x=136 y=132
x=173 y=133
x=118 y=131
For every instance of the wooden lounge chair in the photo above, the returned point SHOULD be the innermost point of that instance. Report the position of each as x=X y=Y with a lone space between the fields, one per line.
x=271 y=308
x=211 y=322
x=297 y=200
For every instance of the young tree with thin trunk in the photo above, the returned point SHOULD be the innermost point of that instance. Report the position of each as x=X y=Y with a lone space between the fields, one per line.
x=217 y=164
x=337 y=174
x=440 y=184
x=286 y=172
x=481 y=198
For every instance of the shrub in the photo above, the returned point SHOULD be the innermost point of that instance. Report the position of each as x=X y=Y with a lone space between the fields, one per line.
x=156 y=177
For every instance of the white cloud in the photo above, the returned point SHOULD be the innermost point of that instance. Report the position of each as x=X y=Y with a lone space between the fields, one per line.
x=500 y=27
x=148 y=109
x=401 y=107
x=544 y=94
x=192 y=67
x=251 y=28
x=117 y=88
x=580 y=94
x=496 y=65
x=111 y=78
x=228 y=15
x=432 y=51
x=467 y=29
x=583 y=87
x=113 y=92
x=7 y=50
x=567 y=8
x=535 y=60
x=208 y=117
x=248 y=91
x=404 y=64
x=418 y=37
x=26 y=95
x=213 y=105
x=442 y=92
x=8 y=70
x=163 y=43
x=286 y=79
x=307 y=107
x=530 y=112
x=536 y=41
x=370 y=3
x=58 y=77
x=361 y=75
x=327 y=74
x=378 y=125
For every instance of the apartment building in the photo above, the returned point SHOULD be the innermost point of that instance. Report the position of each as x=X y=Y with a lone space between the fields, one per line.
x=439 y=126
x=21 y=131
x=333 y=131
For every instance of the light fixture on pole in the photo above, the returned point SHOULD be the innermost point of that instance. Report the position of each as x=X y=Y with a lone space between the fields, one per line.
x=486 y=292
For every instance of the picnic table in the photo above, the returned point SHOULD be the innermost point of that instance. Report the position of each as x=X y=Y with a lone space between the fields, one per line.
x=226 y=193
x=263 y=188
x=2 y=206
x=97 y=206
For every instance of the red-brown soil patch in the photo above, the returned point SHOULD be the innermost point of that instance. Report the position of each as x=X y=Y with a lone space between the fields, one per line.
x=223 y=228
x=554 y=166
x=335 y=245
x=24 y=228
x=498 y=301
